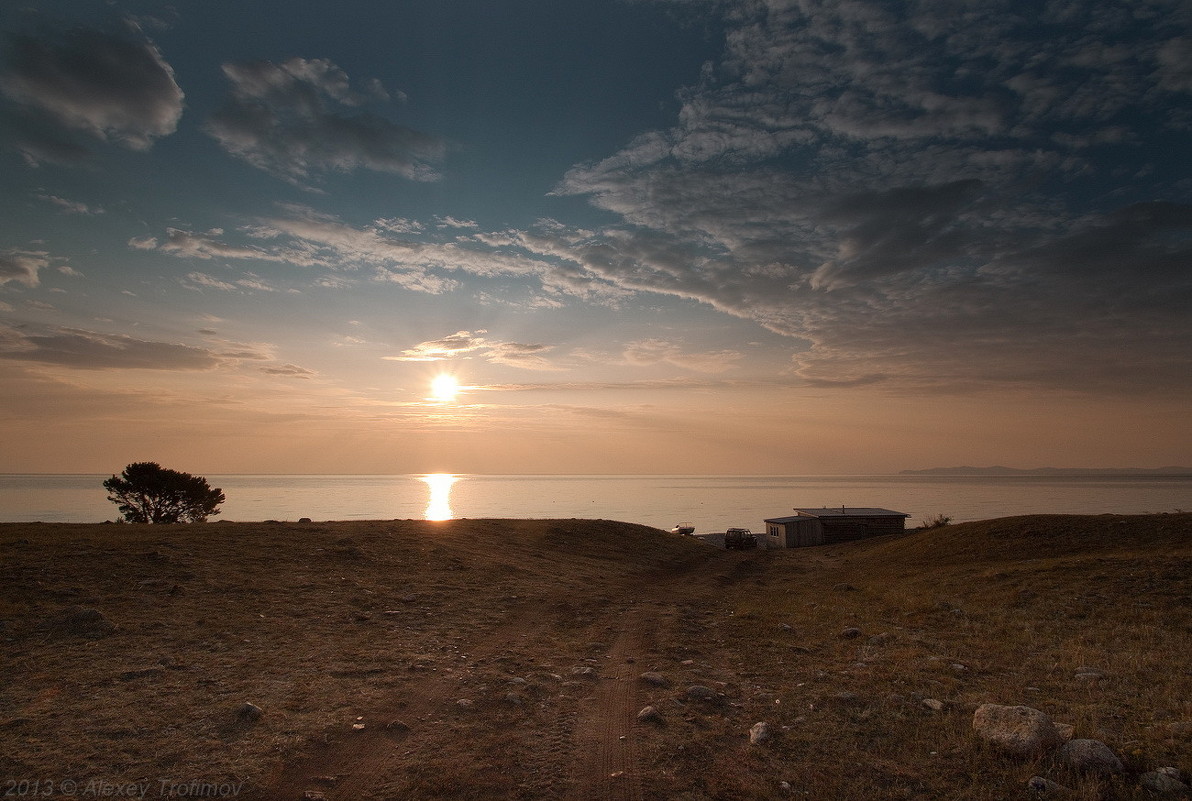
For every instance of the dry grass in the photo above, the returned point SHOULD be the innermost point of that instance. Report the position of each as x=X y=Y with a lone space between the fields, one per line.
x=321 y=624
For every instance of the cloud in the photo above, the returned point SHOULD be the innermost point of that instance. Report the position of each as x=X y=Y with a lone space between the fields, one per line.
x=655 y=351
x=288 y=119
x=88 y=350
x=21 y=266
x=466 y=344
x=113 y=88
x=70 y=206
x=923 y=197
x=461 y=343
x=289 y=371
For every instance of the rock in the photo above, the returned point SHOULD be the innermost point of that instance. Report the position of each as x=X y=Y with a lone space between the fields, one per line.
x=1016 y=730
x=81 y=622
x=313 y=795
x=1089 y=756
x=1041 y=786
x=1067 y=731
x=934 y=704
x=698 y=692
x=250 y=712
x=844 y=587
x=759 y=733
x=304 y=520
x=465 y=703
x=851 y=633
x=514 y=699
x=881 y=639
x=1172 y=772
x=656 y=679
x=650 y=714
x=585 y=672
x=1157 y=782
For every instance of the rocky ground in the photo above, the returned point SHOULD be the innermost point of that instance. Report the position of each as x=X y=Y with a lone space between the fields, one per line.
x=1027 y=657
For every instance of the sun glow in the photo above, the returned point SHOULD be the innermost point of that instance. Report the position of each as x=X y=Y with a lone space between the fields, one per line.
x=439 y=506
x=444 y=388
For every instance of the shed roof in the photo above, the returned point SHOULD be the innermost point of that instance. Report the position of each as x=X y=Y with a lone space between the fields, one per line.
x=794 y=519
x=850 y=511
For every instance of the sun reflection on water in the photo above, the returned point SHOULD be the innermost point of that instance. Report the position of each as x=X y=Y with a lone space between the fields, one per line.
x=439 y=506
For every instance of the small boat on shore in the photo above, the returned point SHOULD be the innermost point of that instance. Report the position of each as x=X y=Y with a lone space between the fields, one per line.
x=683 y=528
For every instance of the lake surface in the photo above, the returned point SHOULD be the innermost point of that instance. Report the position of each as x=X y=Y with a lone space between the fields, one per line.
x=710 y=503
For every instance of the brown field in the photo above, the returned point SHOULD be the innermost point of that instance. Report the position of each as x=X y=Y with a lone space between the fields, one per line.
x=492 y=659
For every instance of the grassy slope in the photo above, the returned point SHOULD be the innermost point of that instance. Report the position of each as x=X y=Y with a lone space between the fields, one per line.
x=319 y=622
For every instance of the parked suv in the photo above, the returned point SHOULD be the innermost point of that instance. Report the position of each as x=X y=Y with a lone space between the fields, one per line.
x=739 y=538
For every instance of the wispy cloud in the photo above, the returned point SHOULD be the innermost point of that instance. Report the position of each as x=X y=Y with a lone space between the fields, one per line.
x=70 y=206
x=468 y=344
x=288 y=119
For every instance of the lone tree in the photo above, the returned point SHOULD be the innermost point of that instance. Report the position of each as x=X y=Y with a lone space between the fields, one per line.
x=146 y=492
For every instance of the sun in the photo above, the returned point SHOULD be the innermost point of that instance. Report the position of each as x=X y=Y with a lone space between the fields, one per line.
x=444 y=388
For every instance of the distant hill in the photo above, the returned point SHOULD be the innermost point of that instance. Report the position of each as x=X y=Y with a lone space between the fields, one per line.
x=998 y=470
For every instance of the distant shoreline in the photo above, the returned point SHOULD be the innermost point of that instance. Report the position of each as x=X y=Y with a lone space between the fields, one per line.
x=998 y=470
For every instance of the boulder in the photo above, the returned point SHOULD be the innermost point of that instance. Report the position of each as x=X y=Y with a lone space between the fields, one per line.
x=760 y=732
x=1016 y=730
x=650 y=714
x=655 y=679
x=851 y=633
x=1089 y=756
x=1160 y=783
x=698 y=692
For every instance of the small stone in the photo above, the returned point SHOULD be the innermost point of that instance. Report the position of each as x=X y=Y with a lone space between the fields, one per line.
x=1090 y=756
x=1172 y=772
x=513 y=699
x=1067 y=731
x=786 y=626
x=934 y=704
x=465 y=703
x=585 y=672
x=1017 y=730
x=698 y=692
x=81 y=622
x=759 y=733
x=687 y=662
x=655 y=679
x=851 y=633
x=313 y=795
x=250 y=712
x=304 y=520
x=649 y=714
x=1159 y=783
x=843 y=587
x=396 y=725
x=1041 y=786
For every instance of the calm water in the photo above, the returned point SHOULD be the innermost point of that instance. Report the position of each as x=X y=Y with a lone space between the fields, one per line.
x=710 y=503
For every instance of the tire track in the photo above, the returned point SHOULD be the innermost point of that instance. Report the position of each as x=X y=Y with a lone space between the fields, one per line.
x=605 y=740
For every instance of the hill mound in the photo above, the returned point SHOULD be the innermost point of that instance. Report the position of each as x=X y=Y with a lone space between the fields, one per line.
x=510 y=658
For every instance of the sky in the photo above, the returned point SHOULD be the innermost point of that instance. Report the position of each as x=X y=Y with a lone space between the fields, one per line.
x=640 y=237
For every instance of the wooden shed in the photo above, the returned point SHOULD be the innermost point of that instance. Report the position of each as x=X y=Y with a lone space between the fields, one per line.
x=828 y=526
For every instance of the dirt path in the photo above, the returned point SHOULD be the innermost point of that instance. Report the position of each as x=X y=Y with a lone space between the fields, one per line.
x=587 y=748
x=604 y=752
